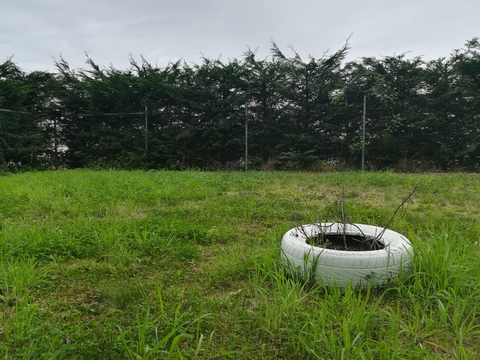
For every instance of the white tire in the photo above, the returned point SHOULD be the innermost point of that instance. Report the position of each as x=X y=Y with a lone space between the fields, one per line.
x=341 y=267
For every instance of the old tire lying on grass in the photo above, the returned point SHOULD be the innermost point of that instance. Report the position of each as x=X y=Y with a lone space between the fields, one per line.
x=343 y=267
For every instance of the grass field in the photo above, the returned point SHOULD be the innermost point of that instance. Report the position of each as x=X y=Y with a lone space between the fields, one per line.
x=185 y=265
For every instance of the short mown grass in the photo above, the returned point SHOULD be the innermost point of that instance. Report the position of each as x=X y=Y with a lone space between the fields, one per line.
x=185 y=265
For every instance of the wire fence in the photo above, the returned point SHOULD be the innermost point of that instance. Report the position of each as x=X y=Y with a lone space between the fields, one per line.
x=25 y=140
x=144 y=140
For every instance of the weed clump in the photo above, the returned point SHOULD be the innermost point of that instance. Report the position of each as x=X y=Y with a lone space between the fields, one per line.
x=341 y=239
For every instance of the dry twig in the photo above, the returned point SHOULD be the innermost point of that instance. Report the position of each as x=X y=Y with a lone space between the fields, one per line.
x=409 y=197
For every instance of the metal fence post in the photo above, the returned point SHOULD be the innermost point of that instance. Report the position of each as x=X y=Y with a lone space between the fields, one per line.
x=363 y=130
x=246 y=137
x=146 y=131
x=55 y=143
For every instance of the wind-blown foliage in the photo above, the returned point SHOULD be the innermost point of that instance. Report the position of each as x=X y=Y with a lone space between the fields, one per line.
x=301 y=114
x=25 y=101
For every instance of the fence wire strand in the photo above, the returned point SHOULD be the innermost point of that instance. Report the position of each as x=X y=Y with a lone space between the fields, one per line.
x=129 y=140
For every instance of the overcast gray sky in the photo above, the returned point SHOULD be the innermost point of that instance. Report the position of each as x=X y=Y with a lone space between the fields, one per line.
x=37 y=31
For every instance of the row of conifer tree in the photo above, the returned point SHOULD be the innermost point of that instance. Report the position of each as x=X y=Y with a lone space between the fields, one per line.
x=299 y=113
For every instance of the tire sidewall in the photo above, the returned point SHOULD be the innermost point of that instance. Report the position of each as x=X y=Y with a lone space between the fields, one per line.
x=341 y=266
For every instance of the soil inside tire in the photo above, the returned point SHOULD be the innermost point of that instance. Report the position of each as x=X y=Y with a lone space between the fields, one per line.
x=346 y=242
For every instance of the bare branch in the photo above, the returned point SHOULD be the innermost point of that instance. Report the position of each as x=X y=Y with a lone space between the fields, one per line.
x=409 y=197
x=343 y=219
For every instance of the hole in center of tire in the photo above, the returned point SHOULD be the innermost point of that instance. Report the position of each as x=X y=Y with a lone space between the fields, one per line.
x=346 y=242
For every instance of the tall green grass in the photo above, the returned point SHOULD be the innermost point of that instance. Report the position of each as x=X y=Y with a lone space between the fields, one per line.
x=185 y=265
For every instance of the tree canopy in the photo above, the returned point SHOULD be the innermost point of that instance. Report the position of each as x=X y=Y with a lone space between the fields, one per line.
x=300 y=113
